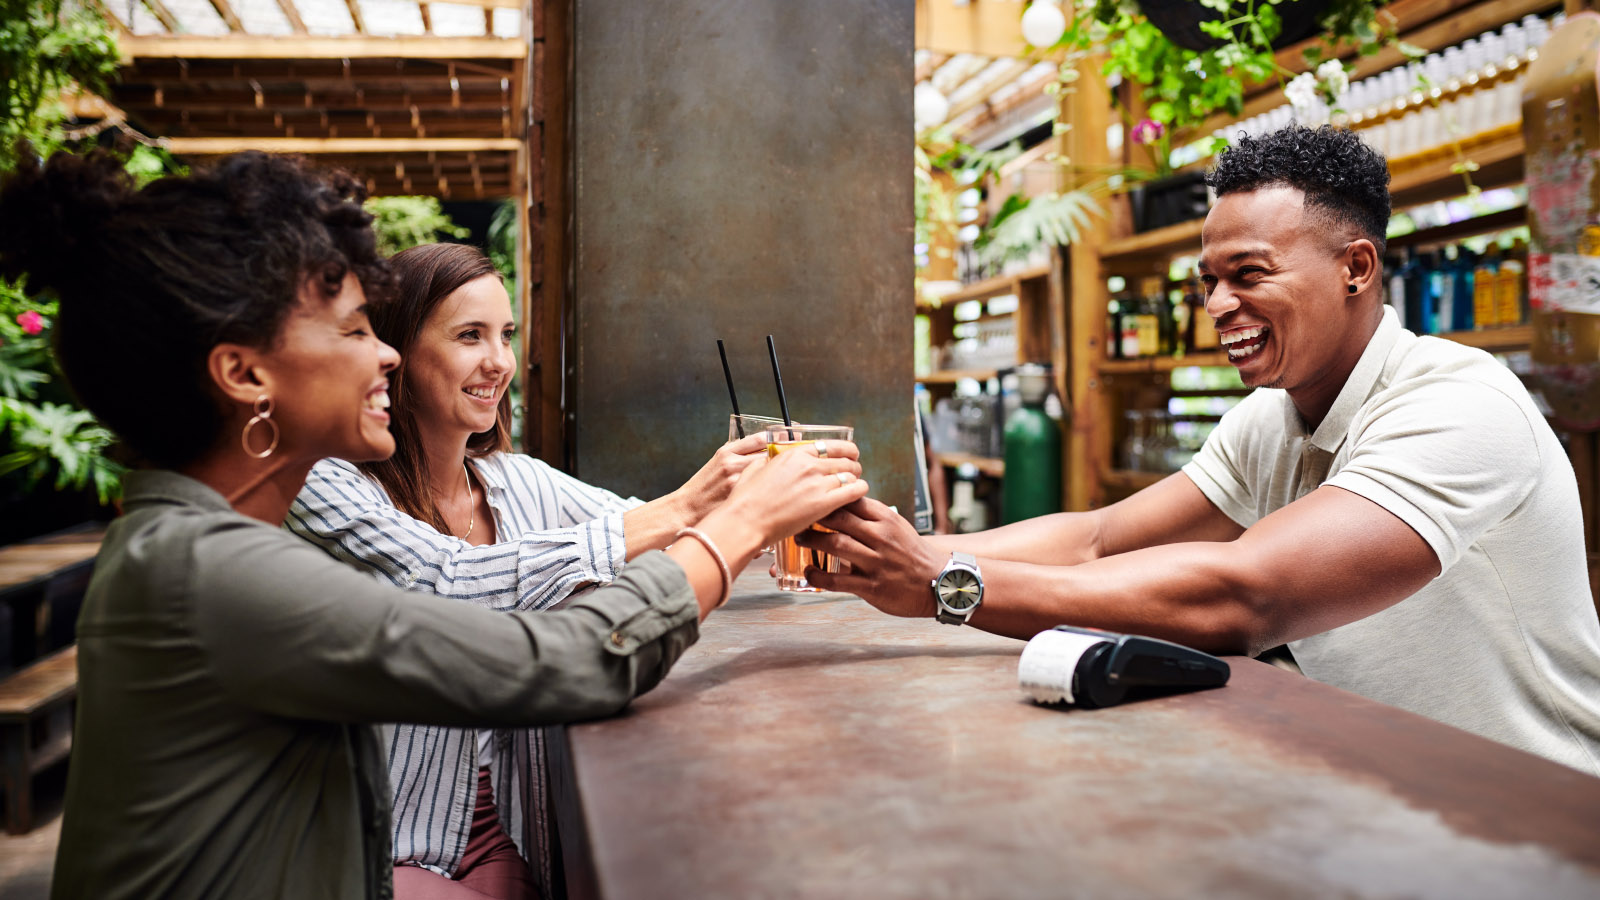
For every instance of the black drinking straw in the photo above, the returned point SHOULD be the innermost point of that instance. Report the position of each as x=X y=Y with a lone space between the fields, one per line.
x=783 y=402
x=738 y=421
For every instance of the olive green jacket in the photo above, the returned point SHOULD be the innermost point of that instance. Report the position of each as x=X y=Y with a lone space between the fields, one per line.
x=230 y=675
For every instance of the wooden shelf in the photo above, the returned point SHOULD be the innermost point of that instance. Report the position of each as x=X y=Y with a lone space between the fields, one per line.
x=1163 y=363
x=1495 y=340
x=1168 y=241
x=989 y=287
x=951 y=376
x=1129 y=480
x=988 y=465
x=1455 y=231
x=1424 y=177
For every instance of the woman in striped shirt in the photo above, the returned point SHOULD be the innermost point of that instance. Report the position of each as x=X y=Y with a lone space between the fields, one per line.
x=455 y=514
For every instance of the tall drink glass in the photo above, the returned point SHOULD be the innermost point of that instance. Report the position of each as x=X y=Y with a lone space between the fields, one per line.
x=744 y=426
x=792 y=558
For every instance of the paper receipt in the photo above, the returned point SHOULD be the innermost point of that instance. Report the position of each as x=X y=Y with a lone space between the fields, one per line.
x=1045 y=670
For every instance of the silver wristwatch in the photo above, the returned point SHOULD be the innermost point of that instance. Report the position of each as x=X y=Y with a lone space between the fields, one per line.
x=958 y=591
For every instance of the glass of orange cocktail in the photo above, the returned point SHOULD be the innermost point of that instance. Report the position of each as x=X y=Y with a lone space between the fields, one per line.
x=791 y=558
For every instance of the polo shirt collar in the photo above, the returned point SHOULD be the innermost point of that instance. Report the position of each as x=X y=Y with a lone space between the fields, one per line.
x=1357 y=388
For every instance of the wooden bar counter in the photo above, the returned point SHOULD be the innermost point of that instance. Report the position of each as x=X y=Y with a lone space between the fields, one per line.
x=810 y=746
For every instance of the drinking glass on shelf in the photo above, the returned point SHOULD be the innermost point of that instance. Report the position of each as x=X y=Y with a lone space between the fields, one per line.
x=792 y=558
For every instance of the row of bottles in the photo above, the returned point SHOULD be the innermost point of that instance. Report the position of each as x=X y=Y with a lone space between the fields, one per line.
x=1155 y=321
x=1455 y=289
x=1457 y=92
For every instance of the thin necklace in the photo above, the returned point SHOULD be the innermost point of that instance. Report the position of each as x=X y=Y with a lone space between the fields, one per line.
x=472 y=504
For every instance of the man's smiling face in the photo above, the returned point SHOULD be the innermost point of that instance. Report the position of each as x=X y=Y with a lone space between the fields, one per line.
x=1276 y=281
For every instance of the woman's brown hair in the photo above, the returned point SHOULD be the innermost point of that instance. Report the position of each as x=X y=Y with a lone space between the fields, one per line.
x=424 y=277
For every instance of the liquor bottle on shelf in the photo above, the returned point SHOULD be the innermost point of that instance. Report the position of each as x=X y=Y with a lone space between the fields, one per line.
x=1394 y=270
x=1182 y=328
x=1420 y=294
x=1203 y=328
x=1444 y=292
x=1114 y=316
x=1461 y=298
x=1511 y=285
x=1130 y=326
x=1149 y=317
x=1485 y=279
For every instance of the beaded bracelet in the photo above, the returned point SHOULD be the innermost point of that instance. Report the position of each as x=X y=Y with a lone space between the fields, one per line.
x=722 y=564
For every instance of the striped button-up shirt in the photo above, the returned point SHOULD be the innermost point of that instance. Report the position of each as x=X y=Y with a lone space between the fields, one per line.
x=555 y=534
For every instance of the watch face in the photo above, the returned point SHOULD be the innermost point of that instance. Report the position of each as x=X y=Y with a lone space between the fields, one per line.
x=959 y=589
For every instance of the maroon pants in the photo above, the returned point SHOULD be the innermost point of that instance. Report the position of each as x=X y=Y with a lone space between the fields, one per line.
x=491 y=866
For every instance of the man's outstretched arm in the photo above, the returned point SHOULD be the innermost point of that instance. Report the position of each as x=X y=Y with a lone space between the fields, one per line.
x=1325 y=560
x=1167 y=512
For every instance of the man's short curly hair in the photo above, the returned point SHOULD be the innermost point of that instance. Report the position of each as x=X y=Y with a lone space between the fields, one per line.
x=1341 y=176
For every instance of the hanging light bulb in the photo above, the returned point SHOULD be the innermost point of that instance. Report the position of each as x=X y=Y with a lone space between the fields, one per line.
x=928 y=106
x=1043 y=23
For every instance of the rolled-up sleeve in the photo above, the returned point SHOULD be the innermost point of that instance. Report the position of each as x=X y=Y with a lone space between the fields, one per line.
x=291 y=632
x=350 y=517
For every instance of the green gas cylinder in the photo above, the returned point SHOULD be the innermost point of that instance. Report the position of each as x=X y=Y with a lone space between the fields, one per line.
x=1032 y=483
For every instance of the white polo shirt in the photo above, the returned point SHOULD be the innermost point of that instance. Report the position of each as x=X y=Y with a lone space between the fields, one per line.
x=1505 y=642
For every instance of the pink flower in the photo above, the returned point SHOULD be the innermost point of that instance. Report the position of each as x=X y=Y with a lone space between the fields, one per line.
x=1148 y=131
x=31 y=322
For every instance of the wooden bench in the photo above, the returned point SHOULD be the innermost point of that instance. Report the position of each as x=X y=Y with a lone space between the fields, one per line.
x=39 y=574
x=36 y=707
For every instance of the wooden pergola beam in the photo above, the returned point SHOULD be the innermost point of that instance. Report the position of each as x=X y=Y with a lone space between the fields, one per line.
x=162 y=14
x=961 y=26
x=318 y=47
x=292 y=13
x=355 y=16
x=489 y=4
x=278 y=74
x=427 y=18
x=225 y=10
x=1006 y=74
x=175 y=101
x=221 y=146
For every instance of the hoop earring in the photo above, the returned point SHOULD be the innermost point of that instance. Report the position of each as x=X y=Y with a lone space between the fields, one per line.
x=263 y=414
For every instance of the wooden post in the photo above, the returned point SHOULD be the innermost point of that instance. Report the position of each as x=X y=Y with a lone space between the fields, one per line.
x=545 y=434
x=1084 y=147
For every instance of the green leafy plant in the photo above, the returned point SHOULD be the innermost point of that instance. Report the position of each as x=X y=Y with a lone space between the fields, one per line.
x=405 y=222
x=1023 y=225
x=1183 y=88
x=42 y=440
x=48 y=47
x=58 y=438
x=45 y=48
x=1019 y=227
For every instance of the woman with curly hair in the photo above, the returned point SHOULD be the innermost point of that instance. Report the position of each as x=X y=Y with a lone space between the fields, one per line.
x=229 y=672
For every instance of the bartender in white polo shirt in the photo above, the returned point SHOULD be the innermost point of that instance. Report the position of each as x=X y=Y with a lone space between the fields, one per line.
x=1393 y=507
